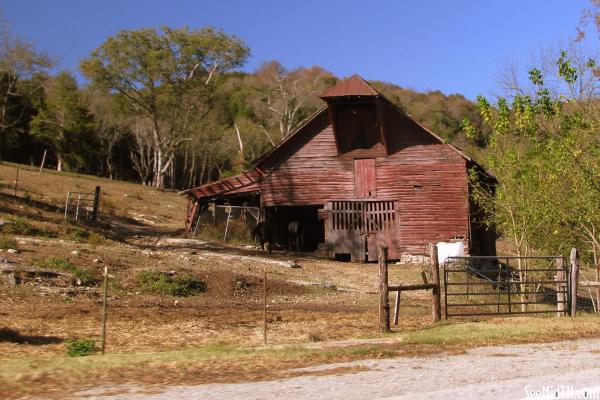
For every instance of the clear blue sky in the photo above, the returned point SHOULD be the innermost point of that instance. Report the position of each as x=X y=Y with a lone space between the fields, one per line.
x=456 y=46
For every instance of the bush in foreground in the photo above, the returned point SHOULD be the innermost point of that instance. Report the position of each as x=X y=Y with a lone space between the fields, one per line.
x=80 y=347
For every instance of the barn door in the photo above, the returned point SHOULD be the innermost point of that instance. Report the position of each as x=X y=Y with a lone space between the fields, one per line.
x=365 y=178
x=359 y=227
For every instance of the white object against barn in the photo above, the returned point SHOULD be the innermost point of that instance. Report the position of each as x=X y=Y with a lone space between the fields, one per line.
x=449 y=249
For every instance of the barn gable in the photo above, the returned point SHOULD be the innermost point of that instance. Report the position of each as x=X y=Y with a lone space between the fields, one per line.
x=364 y=124
x=359 y=173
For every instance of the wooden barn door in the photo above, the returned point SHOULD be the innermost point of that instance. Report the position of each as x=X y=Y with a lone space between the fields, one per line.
x=359 y=227
x=365 y=178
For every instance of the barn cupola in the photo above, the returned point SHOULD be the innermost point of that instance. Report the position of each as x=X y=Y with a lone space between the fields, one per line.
x=355 y=113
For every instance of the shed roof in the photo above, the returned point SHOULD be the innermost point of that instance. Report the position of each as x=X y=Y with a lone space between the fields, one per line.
x=353 y=86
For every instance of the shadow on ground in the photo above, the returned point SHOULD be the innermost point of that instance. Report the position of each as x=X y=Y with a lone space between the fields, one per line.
x=14 y=336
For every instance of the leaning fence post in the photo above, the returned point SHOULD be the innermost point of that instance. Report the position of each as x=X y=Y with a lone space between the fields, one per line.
x=574 y=278
x=67 y=206
x=43 y=161
x=434 y=270
x=560 y=287
x=384 y=305
x=77 y=209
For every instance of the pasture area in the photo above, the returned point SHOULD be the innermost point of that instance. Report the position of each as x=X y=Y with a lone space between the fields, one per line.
x=191 y=310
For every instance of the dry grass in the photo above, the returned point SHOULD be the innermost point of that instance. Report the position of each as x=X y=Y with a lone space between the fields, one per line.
x=157 y=338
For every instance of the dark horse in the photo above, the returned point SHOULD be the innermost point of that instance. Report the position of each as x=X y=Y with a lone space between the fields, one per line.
x=295 y=236
x=263 y=231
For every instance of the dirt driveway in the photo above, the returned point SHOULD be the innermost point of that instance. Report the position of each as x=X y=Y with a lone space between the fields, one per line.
x=540 y=371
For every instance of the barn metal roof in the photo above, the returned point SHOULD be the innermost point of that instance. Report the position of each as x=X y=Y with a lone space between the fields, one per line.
x=353 y=86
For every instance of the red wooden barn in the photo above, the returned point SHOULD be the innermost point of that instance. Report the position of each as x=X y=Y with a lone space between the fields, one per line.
x=359 y=173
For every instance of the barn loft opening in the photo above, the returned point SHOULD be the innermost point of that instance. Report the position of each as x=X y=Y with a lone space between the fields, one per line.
x=355 y=114
x=356 y=125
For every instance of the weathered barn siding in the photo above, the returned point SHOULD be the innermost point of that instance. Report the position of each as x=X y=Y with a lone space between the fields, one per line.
x=308 y=171
x=427 y=178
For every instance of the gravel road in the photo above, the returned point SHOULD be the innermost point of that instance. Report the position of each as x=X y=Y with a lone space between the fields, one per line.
x=562 y=370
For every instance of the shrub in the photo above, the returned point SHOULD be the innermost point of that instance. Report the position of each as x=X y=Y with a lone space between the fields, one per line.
x=80 y=347
x=94 y=239
x=78 y=234
x=62 y=264
x=7 y=243
x=20 y=226
x=159 y=283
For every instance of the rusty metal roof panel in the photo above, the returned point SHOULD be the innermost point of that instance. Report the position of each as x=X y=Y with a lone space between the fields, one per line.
x=242 y=183
x=353 y=86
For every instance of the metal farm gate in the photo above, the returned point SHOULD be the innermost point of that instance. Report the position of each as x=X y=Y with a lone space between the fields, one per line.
x=82 y=206
x=359 y=227
x=505 y=285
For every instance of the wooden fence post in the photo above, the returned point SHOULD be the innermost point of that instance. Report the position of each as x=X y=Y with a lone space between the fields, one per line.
x=384 y=305
x=104 y=305
x=265 y=305
x=17 y=180
x=397 y=307
x=574 y=278
x=561 y=277
x=434 y=270
x=43 y=162
x=96 y=203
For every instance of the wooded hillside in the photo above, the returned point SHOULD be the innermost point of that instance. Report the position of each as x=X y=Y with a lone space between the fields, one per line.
x=170 y=107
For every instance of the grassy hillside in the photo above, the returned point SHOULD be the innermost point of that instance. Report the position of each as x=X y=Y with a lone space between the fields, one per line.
x=125 y=207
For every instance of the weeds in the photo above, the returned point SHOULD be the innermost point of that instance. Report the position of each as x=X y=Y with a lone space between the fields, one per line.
x=94 y=239
x=83 y=276
x=159 y=283
x=7 y=243
x=21 y=226
x=78 y=234
x=111 y=207
x=80 y=347
x=84 y=236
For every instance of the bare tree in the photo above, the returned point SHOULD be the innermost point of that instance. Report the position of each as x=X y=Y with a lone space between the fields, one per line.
x=284 y=95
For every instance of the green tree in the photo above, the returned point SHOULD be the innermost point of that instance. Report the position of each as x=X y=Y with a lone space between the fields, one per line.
x=166 y=78
x=21 y=67
x=64 y=123
x=544 y=151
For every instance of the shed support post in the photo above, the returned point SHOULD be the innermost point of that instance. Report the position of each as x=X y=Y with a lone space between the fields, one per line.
x=384 y=305
x=434 y=270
